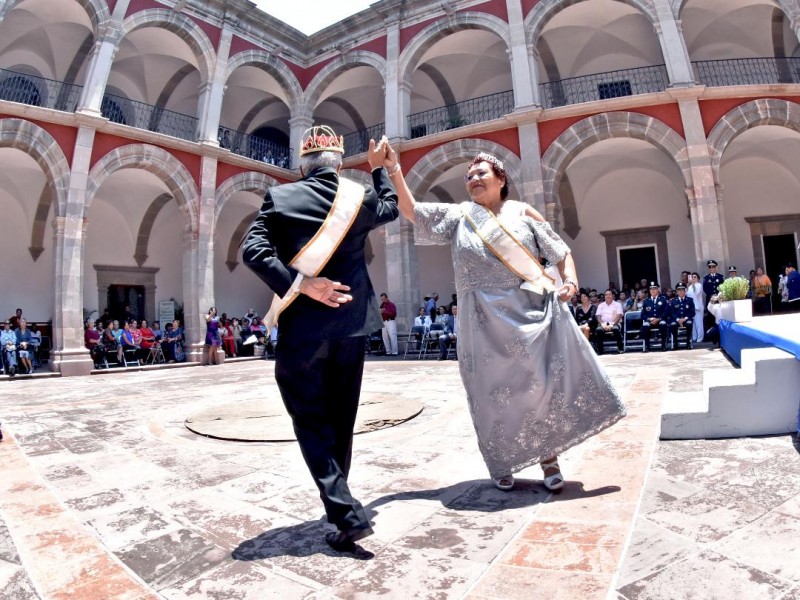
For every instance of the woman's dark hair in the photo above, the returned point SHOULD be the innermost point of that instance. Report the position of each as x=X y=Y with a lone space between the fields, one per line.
x=497 y=167
x=212 y=308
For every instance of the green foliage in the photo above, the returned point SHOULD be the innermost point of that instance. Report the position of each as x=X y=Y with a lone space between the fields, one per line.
x=735 y=288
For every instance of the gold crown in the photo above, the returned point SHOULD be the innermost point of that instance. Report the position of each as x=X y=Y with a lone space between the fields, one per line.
x=321 y=138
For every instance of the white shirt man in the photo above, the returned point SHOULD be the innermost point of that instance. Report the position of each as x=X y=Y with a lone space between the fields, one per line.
x=609 y=317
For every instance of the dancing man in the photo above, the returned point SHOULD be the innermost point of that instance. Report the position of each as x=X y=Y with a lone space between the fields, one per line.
x=307 y=244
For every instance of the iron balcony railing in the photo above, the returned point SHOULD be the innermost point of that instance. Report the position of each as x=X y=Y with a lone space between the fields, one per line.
x=358 y=141
x=467 y=112
x=38 y=91
x=747 y=71
x=255 y=147
x=602 y=86
x=146 y=116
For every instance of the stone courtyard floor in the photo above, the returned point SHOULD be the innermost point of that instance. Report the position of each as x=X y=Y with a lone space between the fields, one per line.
x=104 y=494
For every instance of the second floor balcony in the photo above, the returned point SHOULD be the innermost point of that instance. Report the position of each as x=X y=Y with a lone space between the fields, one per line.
x=747 y=71
x=38 y=91
x=603 y=86
x=151 y=118
x=255 y=147
x=358 y=141
x=467 y=112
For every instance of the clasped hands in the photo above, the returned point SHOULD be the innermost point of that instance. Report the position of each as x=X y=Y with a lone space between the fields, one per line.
x=381 y=154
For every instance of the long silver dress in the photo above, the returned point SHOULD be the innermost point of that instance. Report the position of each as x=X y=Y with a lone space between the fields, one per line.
x=534 y=384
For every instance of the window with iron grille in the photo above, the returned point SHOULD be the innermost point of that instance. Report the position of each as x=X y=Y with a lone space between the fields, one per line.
x=614 y=89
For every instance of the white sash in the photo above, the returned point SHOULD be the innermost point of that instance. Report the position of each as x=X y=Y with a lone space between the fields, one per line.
x=507 y=248
x=313 y=257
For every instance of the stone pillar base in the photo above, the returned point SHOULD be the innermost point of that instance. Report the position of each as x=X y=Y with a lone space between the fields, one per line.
x=194 y=352
x=71 y=362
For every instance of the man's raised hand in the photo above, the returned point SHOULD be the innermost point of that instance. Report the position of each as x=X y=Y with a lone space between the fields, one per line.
x=377 y=153
x=325 y=291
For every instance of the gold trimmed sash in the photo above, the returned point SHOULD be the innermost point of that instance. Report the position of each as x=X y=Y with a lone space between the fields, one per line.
x=507 y=248
x=313 y=257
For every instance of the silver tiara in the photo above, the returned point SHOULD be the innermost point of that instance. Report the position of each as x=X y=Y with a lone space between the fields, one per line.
x=484 y=156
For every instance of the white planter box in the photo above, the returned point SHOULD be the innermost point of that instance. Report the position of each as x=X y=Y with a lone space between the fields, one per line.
x=737 y=311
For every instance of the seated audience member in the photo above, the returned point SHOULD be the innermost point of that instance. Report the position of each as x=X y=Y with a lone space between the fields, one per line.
x=158 y=333
x=36 y=339
x=584 y=315
x=424 y=321
x=681 y=316
x=655 y=313
x=178 y=340
x=24 y=346
x=116 y=331
x=93 y=341
x=109 y=342
x=638 y=301
x=609 y=320
x=450 y=333
x=8 y=342
x=236 y=327
x=148 y=341
x=128 y=341
x=137 y=339
x=228 y=343
x=624 y=302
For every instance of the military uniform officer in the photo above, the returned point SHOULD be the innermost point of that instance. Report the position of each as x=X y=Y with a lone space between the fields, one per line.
x=681 y=316
x=712 y=279
x=655 y=313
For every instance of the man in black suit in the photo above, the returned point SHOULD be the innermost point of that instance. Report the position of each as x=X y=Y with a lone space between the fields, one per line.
x=323 y=330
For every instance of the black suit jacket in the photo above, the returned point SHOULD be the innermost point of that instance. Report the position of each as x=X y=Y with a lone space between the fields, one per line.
x=288 y=219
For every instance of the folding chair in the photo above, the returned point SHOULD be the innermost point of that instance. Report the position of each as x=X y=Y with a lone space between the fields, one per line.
x=632 y=324
x=130 y=357
x=430 y=343
x=156 y=355
x=415 y=337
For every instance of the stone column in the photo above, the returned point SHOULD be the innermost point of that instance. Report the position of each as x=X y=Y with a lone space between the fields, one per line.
x=211 y=94
x=302 y=118
x=521 y=72
x=532 y=185
x=673 y=46
x=396 y=91
x=402 y=272
x=704 y=208
x=69 y=356
x=198 y=262
x=102 y=57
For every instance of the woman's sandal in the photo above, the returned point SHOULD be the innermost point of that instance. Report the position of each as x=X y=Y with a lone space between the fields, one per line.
x=505 y=483
x=554 y=482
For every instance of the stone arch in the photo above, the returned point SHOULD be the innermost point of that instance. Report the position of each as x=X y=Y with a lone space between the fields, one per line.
x=334 y=68
x=540 y=16
x=183 y=27
x=444 y=27
x=40 y=145
x=597 y=128
x=764 y=111
x=272 y=65
x=429 y=167
x=146 y=227
x=787 y=6
x=154 y=160
x=96 y=9
x=250 y=181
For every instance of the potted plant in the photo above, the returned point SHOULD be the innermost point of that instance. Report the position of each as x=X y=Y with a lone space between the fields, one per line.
x=736 y=306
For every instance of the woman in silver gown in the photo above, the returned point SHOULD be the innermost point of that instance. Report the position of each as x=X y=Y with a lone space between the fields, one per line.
x=534 y=384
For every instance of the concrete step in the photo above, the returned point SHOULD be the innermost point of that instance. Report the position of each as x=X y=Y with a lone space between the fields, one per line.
x=761 y=398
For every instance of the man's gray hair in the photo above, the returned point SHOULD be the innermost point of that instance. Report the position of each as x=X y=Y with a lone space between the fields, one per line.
x=315 y=160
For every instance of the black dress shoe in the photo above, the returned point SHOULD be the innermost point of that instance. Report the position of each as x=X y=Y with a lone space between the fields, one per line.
x=341 y=542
